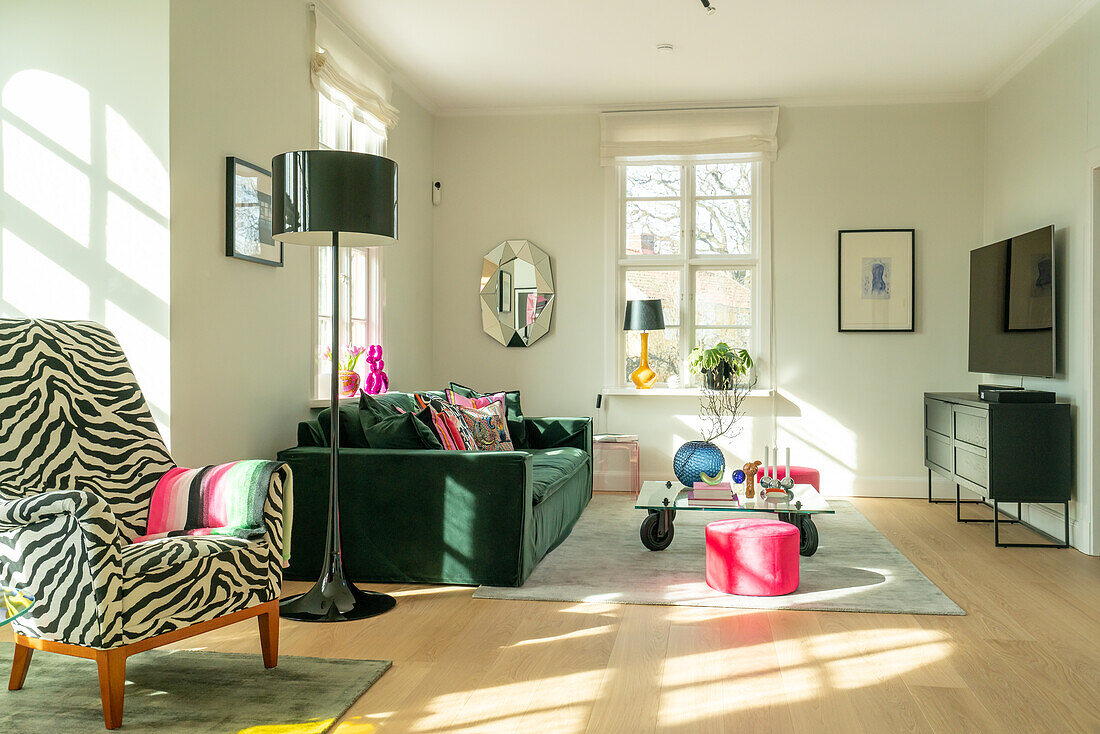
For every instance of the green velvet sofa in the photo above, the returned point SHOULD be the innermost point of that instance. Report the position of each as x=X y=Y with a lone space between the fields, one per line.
x=440 y=517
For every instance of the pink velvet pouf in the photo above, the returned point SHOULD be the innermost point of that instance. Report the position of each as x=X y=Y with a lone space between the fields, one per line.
x=805 y=475
x=752 y=557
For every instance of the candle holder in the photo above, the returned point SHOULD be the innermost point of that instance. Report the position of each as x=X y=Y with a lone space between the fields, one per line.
x=766 y=481
x=787 y=483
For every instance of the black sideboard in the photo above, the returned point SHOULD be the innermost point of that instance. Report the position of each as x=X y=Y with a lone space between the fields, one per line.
x=1003 y=452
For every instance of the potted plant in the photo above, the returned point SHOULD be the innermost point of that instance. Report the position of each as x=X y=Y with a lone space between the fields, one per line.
x=345 y=366
x=727 y=380
x=720 y=366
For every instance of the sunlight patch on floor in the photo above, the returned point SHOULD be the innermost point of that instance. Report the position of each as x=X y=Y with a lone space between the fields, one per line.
x=577 y=634
x=493 y=704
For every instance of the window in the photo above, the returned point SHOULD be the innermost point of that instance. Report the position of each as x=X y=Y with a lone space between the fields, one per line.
x=690 y=234
x=360 y=269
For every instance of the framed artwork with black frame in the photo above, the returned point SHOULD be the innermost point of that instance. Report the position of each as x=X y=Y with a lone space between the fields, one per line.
x=248 y=214
x=876 y=280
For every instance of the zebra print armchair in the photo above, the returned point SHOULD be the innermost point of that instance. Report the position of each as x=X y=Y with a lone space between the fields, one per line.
x=80 y=457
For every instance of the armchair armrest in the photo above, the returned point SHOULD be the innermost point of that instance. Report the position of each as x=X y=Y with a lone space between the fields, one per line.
x=556 y=433
x=63 y=548
x=84 y=507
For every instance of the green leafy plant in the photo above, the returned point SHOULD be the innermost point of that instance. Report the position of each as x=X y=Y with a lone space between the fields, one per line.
x=738 y=361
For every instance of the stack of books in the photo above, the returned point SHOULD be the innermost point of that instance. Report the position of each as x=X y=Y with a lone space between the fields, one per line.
x=708 y=495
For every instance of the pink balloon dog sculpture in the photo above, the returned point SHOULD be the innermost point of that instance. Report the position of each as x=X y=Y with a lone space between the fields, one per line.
x=377 y=382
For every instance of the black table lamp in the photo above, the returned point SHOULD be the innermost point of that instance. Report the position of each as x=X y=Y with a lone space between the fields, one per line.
x=644 y=315
x=334 y=198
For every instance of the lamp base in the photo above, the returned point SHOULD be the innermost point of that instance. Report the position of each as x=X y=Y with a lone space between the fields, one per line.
x=335 y=599
x=643 y=377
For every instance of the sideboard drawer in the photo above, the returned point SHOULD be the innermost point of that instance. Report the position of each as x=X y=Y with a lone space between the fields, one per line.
x=937 y=417
x=972 y=467
x=972 y=428
x=937 y=450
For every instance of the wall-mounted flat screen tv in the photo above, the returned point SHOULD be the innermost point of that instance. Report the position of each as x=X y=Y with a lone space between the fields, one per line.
x=1012 y=296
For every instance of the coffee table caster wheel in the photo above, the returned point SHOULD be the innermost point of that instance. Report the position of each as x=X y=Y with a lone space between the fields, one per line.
x=808 y=539
x=671 y=514
x=651 y=535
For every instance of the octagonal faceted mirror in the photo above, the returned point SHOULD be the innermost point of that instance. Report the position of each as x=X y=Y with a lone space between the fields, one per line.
x=517 y=293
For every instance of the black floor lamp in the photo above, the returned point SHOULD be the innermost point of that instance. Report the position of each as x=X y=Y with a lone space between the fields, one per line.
x=334 y=198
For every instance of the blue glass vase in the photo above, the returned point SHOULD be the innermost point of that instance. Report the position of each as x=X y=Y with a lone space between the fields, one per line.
x=695 y=458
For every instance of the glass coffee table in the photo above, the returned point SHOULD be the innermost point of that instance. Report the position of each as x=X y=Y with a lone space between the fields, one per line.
x=13 y=603
x=663 y=499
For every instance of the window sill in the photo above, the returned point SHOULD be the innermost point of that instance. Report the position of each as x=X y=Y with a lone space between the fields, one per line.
x=668 y=392
x=325 y=402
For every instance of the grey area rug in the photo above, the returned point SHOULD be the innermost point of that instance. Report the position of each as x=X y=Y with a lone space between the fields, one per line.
x=171 y=692
x=855 y=568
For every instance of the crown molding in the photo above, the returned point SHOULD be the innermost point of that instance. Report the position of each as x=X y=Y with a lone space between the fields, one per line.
x=808 y=101
x=1041 y=44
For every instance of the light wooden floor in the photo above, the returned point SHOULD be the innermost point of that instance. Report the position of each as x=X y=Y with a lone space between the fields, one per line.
x=1025 y=659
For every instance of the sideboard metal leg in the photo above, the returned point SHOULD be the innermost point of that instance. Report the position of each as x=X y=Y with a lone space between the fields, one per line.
x=1055 y=542
x=931 y=499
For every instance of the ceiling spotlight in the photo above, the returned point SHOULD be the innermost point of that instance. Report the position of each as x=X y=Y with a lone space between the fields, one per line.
x=708 y=7
x=664 y=48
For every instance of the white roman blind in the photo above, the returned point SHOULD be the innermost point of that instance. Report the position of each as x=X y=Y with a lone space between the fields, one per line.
x=353 y=114
x=685 y=134
x=345 y=74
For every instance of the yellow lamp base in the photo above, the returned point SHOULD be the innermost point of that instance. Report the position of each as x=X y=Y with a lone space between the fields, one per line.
x=643 y=377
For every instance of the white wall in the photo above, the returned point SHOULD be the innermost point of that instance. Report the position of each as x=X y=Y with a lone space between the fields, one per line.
x=84 y=173
x=536 y=178
x=242 y=332
x=407 y=267
x=849 y=403
x=1040 y=129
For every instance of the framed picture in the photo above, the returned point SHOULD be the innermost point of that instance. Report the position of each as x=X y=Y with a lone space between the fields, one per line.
x=876 y=280
x=248 y=214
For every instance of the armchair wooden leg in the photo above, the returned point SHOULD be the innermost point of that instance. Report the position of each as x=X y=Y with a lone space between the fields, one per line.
x=20 y=664
x=269 y=634
x=112 y=684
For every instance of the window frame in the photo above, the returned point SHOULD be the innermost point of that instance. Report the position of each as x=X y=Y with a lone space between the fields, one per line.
x=619 y=263
x=373 y=308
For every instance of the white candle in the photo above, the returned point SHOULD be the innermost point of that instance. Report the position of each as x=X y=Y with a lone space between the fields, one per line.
x=775 y=462
x=788 y=475
x=767 y=458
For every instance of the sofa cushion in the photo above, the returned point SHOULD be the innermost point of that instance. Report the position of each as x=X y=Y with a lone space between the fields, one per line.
x=404 y=431
x=351 y=429
x=227 y=499
x=552 y=468
x=406 y=402
x=488 y=426
x=516 y=427
x=309 y=434
x=144 y=557
x=172 y=583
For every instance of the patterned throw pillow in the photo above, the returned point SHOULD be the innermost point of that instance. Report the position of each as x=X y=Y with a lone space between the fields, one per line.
x=464 y=401
x=227 y=499
x=517 y=429
x=488 y=426
x=447 y=423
